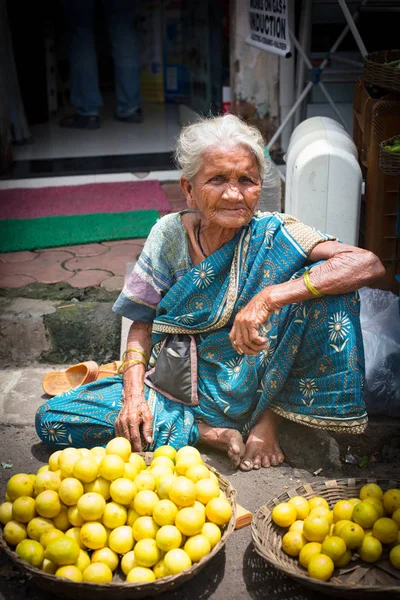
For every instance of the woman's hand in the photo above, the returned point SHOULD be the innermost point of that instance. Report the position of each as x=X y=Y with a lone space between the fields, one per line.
x=244 y=336
x=135 y=421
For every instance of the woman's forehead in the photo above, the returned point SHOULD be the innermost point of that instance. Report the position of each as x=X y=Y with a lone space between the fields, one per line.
x=229 y=157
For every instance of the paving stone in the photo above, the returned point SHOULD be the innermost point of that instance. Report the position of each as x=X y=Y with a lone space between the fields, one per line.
x=17 y=257
x=89 y=278
x=136 y=241
x=16 y=281
x=113 y=261
x=46 y=268
x=82 y=249
x=113 y=283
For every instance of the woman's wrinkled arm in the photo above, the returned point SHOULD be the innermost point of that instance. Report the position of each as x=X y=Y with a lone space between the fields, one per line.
x=346 y=269
x=135 y=419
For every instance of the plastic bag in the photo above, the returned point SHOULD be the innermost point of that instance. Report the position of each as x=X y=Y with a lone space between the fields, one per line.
x=380 y=324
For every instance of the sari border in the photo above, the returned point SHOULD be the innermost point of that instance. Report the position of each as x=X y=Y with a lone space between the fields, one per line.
x=349 y=425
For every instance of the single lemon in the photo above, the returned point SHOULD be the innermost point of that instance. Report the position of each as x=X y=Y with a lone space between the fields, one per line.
x=394 y=557
x=370 y=550
x=6 y=512
x=163 y=485
x=147 y=553
x=31 y=552
x=377 y=504
x=123 y=490
x=198 y=471
x=140 y=575
x=168 y=451
x=395 y=516
x=37 y=526
x=186 y=450
x=74 y=533
x=128 y=561
x=293 y=542
x=338 y=526
x=284 y=514
x=385 y=530
x=390 y=500
x=138 y=461
x=177 y=561
x=164 y=512
x=365 y=514
x=199 y=506
x=43 y=469
x=344 y=560
x=145 y=481
x=70 y=572
x=106 y=556
x=334 y=547
x=23 y=509
x=119 y=446
x=86 y=469
x=91 y=506
x=53 y=460
x=371 y=490
x=321 y=567
x=219 y=511
x=212 y=532
x=160 y=570
x=168 y=537
x=50 y=535
x=70 y=490
x=14 y=532
x=130 y=471
x=352 y=534
x=97 y=573
x=144 y=502
x=98 y=451
x=343 y=510
x=82 y=561
x=47 y=481
x=355 y=501
x=121 y=539
x=49 y=567
x=206 y=490
x=317 y=501
x=66 y=463
x=323 y=512
x=115 y=515
x=74 y=516
x=308 y=551
x=61 y=521
x=315 y=529
x=197 y=547
x=159 y=470
x=162 y=461
x=19 y=485
x=301 y=506
x=63 y=551
x=297 y=526
x=111 y=467
x=99 y=486
x=190 y=521
x=47 y=504
x=132 y=516
x=93 y=535
x=144 y=528
x=183 y=463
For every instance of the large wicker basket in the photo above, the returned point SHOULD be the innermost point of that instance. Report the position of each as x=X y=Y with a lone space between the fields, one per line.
x=358 y=579
x=119 y=588
x=379 y=73
x=389 y=162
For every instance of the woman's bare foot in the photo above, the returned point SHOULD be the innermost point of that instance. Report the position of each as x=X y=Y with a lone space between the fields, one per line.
x=227 y=440
x=262 y=448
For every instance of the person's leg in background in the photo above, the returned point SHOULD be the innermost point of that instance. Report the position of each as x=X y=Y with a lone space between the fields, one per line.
x=85 y=93
x=119 y=15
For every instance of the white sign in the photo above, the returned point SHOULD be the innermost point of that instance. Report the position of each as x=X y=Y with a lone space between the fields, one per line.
x=269 y=26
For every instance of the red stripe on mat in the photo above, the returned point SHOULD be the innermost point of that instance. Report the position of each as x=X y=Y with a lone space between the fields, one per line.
x=28 y=203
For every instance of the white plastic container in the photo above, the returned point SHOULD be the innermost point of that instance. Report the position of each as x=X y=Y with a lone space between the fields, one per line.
x=323 y=178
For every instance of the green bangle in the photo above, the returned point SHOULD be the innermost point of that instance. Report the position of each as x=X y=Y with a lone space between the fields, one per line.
x=135 y=350
x=132 y=362
x=311 y=288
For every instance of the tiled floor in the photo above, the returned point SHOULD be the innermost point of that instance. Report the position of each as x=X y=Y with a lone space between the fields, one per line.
x=89 y=265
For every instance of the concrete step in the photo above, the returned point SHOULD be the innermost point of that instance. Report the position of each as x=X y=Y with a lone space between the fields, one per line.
x=52 y=331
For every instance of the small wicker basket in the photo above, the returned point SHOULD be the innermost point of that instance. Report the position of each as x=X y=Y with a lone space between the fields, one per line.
x=358 y=579
x=119 y=588
x=389 y=162
x=379 y=73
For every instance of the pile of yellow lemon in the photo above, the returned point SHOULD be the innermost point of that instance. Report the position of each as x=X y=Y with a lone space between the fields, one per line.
x=89 y=512
x=323 y=539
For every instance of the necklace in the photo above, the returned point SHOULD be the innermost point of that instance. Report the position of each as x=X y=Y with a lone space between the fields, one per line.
x=199 y=242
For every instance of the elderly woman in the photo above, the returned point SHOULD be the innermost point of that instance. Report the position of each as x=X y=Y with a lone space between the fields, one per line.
x=247 y=317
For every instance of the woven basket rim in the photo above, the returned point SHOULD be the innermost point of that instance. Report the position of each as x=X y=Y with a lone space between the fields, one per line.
x=154 y=587
x=383 y=143
x=373 y=56
x=303 y=578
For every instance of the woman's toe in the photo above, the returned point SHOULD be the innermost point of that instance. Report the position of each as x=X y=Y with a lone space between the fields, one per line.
x=266 y=462
x=246 y=465
x=257 y=462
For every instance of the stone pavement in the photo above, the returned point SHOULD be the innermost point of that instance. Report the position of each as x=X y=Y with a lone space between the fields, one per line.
x=89 y=265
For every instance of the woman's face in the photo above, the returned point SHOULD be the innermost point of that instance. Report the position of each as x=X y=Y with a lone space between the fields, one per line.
x=227 y=187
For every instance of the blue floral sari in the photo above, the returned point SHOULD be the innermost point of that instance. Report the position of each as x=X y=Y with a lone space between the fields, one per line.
x=312 y=371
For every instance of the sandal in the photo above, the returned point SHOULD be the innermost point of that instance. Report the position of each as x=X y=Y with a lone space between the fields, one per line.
x=58 y=382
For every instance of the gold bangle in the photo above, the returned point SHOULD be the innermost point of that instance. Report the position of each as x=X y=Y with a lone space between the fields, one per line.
x=131 y=362
x=135 y=350
x=311 y=288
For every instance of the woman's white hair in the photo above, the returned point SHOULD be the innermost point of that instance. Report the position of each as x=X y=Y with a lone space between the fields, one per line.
x=209 y=133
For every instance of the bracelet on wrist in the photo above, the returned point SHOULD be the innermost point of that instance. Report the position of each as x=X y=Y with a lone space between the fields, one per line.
x=311 y=288
x=129 y=350
x=131 y=363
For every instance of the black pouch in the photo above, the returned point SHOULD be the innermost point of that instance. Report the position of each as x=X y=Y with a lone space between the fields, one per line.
x=175 y=372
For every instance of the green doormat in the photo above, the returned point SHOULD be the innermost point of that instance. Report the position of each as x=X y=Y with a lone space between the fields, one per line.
x=51 y=232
